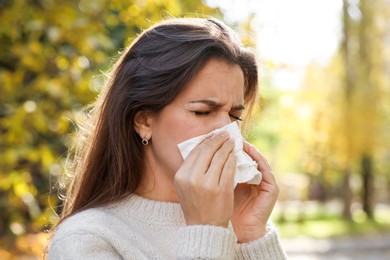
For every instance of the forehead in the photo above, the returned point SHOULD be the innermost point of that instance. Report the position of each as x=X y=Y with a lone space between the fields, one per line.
x=216 y=80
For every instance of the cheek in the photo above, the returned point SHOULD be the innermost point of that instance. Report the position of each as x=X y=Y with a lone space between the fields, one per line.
x=175 y=125
x=172 y=130
x=181 y=127
x=166 y=134
x=166 y=154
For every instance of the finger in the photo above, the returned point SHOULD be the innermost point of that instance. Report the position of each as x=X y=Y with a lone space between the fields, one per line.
x=229 y=169
x=262 y=162
x=200 y=158
x=206 y=150
x=218 y=162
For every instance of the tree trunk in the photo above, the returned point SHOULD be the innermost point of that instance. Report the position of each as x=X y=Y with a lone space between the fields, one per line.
x=367 y=185
x=347 y=195
x=348 y=92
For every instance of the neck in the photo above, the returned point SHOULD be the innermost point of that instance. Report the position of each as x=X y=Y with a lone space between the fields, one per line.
x=157 y=186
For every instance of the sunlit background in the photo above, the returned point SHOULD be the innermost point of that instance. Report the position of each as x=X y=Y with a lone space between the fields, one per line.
x=324 y=122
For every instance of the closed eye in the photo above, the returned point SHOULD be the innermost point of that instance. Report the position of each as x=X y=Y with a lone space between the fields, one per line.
x=235 y=117
x=206 y=113
x=202 y=113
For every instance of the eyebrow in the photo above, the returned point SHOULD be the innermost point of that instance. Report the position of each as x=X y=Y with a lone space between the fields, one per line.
x=214 y=104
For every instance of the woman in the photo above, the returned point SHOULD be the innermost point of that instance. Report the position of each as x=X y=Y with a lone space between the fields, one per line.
x=132 y=195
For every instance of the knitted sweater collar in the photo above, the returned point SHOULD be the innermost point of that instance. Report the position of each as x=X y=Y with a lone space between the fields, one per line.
x=159 y=212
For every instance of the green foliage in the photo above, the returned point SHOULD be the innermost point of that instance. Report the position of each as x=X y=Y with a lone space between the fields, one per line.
x=52 y=53
x=313 y=134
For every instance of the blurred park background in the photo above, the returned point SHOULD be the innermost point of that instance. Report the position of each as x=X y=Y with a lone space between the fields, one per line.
x=324 y=122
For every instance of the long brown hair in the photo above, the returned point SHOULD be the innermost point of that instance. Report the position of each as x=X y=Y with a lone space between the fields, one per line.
x=108 y=161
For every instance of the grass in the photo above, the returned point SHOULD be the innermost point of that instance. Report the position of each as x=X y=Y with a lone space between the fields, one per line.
x=320 y=222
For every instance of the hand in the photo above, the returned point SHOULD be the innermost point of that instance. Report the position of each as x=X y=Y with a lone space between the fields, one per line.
x=204 y=182
x=253 y=204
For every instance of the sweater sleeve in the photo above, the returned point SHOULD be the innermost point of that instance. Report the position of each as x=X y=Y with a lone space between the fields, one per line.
x=205 y=242
x=266 y=248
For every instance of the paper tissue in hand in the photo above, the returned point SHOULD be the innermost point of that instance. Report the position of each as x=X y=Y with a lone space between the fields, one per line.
x=246 y=168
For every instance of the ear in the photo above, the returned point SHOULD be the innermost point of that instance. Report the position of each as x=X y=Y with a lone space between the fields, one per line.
x=143 y=121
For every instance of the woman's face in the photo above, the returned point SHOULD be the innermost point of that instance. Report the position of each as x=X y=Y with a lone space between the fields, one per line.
x=212 y=99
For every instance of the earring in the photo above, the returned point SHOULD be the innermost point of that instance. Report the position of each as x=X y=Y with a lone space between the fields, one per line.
x=145 y=141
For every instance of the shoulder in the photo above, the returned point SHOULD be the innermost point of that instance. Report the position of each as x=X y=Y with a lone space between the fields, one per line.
x=85 y=234
x=82 y=224
x=84 y=220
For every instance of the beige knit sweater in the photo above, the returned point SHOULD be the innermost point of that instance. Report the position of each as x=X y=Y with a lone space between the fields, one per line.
x=138 y=228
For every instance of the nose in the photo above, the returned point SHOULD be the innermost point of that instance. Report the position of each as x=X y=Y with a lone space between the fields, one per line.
x=222 y=120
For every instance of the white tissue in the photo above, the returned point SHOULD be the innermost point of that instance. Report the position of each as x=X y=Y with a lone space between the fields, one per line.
x=246 y=168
